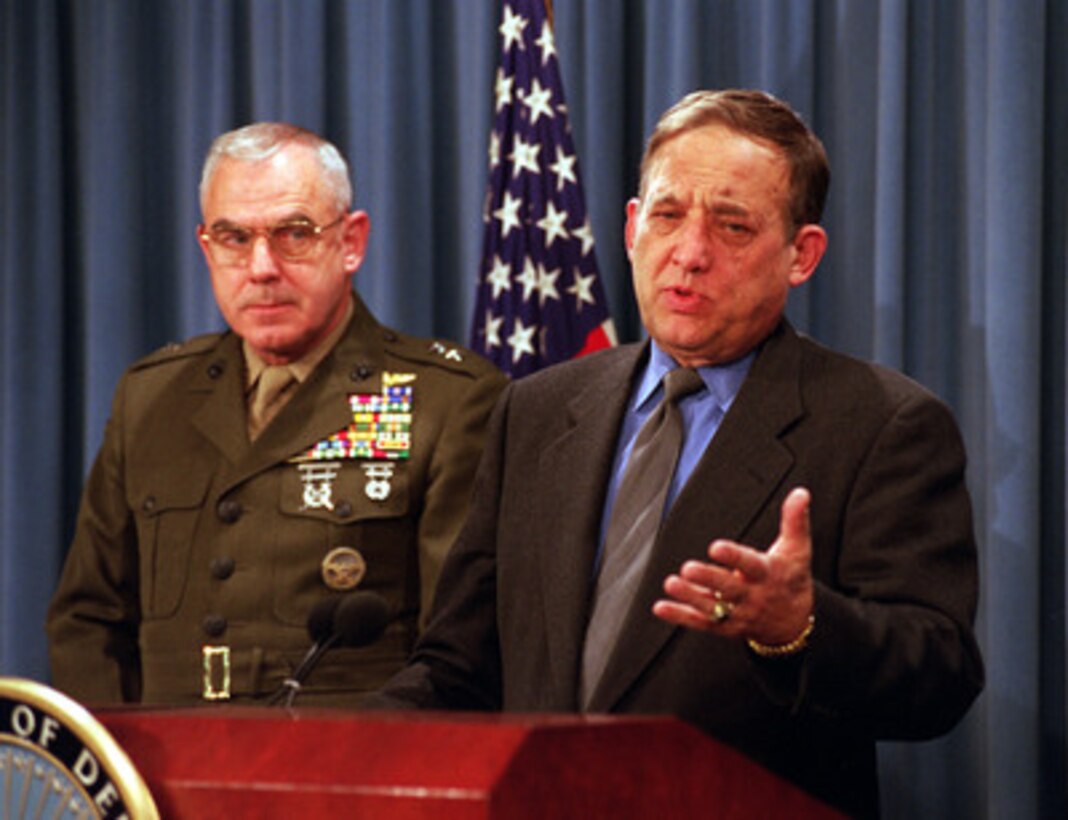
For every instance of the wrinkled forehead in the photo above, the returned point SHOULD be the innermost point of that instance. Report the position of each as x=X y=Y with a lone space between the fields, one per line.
x=716 y=163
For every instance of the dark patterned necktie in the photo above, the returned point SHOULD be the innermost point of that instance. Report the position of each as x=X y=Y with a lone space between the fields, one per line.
x=633 y=525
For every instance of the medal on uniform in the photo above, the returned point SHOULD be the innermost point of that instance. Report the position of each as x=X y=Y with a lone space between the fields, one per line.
x=318 y=478
x=381 y=427
x=381 y=424
x=379 y=475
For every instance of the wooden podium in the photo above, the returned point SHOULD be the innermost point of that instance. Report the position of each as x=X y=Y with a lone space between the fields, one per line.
x=254 y=762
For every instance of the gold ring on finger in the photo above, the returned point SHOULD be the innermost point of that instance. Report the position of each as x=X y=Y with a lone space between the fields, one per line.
x=721 y=611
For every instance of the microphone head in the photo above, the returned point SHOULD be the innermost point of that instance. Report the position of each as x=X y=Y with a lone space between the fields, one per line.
x=361 y=619
x=321 y=618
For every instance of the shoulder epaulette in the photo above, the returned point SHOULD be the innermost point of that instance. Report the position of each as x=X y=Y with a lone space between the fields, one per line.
x=439 y=352
x=173 y=351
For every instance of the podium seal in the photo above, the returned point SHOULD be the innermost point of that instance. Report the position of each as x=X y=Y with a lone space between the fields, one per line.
x=58 y=761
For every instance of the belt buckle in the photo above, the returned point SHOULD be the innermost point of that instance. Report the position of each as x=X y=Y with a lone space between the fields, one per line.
x=216 y=673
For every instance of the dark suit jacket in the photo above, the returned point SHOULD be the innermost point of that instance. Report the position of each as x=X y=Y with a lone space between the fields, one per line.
x=892 y=654
x=190 y=535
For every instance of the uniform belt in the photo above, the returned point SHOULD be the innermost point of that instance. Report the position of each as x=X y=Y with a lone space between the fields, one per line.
x=220 y=672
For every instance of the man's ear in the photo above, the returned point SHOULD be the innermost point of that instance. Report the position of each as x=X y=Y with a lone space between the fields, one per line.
x=357 y=227
x=809 y=243
x=201 y=230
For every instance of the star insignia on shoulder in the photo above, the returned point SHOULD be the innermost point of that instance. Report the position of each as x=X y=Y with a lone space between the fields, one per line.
x=452 y=354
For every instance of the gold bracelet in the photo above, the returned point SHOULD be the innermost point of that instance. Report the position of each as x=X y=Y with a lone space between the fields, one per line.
x=779 y=650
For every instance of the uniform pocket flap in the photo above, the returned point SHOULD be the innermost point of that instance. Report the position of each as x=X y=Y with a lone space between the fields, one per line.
x=180 y=492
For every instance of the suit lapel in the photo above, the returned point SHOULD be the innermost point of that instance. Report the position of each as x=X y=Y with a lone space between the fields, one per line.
x=574 y=468
x=731 y=485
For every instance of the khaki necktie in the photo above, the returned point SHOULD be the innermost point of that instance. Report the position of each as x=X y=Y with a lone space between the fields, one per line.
x=267 y=398
x=633 y=525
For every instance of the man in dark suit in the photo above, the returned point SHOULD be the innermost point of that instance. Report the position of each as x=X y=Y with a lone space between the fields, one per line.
x=246 y=476
x=811 y=584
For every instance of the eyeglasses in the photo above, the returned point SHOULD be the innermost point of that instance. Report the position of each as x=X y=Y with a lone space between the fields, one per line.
x=293 y=240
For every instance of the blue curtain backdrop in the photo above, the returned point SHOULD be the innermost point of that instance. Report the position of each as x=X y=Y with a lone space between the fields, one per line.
x=946 y=122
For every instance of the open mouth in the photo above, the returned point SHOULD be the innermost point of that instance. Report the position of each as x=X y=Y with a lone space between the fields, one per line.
x=681 y=298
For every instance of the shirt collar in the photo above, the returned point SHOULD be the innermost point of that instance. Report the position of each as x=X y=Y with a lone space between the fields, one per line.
x=722 y=381
x=302 y=367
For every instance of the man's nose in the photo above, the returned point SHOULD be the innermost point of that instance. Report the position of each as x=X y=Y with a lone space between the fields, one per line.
x=262 y=262
x=693 y=248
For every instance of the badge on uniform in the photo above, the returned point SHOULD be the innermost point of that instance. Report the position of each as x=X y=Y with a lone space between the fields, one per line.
x=379 y=474
x=343 y=568
x=318 y=478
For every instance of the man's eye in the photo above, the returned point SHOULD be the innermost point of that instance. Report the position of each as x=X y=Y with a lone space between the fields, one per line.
x=231 y=237
x=737 y=228
x=294 y=233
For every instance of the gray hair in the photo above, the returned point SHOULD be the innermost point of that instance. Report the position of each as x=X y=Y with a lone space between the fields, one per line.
x=262 y=140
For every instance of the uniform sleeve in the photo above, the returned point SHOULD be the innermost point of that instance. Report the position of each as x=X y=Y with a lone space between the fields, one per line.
x=457 y=662
x=93 y=618
x=451 y=477
x=893 y=651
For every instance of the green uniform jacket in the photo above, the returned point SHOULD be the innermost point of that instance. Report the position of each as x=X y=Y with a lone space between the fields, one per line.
x=189 y=536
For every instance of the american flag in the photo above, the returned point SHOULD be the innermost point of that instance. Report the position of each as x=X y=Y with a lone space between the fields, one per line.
x=540 y=299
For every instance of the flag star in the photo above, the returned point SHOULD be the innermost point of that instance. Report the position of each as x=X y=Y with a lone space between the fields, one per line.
x=508 y=213
x=495 y=149
x=511 y=29
x=520 y=340
x=545 y=43
x=585 y=233
x=553 y=224
x=564 y=168
x=500 y=278
x=528 y=278
x=538 y=101
x=503 y=90
x=547 y=284
x=582 y=290
x=493 y=330
x=524 y=156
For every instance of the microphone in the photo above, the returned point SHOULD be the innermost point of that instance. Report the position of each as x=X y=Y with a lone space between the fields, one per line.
x=361 y=619
x=321 y=631
x=321 y=619
x=353 y=620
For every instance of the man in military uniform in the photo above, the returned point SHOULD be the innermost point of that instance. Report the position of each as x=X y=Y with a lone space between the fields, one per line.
x=248 y=475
